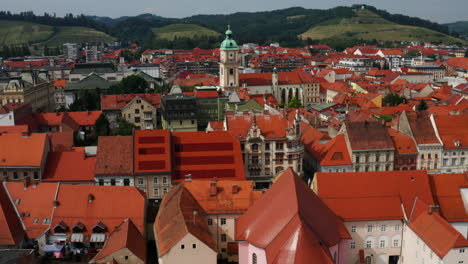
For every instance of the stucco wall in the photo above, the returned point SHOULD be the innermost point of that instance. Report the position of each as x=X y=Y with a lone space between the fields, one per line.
x=202 y=254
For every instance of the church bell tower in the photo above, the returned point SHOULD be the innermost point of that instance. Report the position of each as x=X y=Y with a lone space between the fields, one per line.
x=229 y=64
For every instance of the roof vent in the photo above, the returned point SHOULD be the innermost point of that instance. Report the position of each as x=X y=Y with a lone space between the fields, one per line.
x=90 y=198
x=55 y=203
x=188 y=177
x=213 y=189
x=235 y=188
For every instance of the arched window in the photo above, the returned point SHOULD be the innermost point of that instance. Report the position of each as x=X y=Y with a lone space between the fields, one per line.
x=255 y=147
x=368 y=260
x=254 y=258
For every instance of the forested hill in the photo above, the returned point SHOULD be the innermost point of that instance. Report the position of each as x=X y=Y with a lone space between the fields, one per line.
x=286 y=26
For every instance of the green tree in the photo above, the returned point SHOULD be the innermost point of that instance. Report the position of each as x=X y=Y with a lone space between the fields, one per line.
x=392 y=99
x=422 y=106
x=124 y=128
x=129 y=85
x=413 y=53
x=295 y=103
x=466 y=54
x=101 y=128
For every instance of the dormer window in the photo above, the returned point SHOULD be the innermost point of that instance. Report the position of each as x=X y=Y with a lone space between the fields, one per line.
x=99 y=228
x=78 y=228
x=61 y=227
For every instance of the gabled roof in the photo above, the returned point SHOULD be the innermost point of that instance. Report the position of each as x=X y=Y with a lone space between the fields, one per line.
x=447 y=194
x=33 y=203
x=119 y=101
x=91 y=204
x=231 y=197
x=14 y=129
x=458 y=63
x=22 y=151
x=337 y=153
x=85 y=118
x=126 y=235
x=422 y=128
x=377 y=136
x=11 y=231
x=453 y=130
x=69 y=166
x=180 y=214
x=55 y=119
x=288 y=213
x=403 y=144
x=382 y=193
x=438 y=235
x=61 y=141
x=114 y=156
x=271 y=125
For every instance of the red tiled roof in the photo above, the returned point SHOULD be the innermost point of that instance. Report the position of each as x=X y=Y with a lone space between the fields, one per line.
x=109 y=205
x=34 y=203
x=125 y=236
x=60 y=84
x=217 y=126
x=69 y=167
x=85 y=118
x=382 y=192
x=446 y=189
x=207 y=155
x=453 y=131
x=179 y=215
x=5 y=109
x=421 y=128
x=461 y=63
x=19 y=151
x=11 y=231
x=377 y=136
x=438 y=235
x=118 y=101
x=55 y=119
x=14 y=129
x=284 y=222
x=205 y=94
x=271 y=126
x=224 y=201
x=152 y=151
x=114 y=156
x=337 y=153
x=403 y=143
x=61 y=141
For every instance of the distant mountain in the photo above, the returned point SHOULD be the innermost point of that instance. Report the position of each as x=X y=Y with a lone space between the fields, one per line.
x=459 y=27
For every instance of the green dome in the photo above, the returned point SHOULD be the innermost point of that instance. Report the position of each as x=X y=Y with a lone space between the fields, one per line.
x=229 y=44
x=228 y=32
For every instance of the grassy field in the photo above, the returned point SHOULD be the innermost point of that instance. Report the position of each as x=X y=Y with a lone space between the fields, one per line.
x=78 y=35
x=18 y=32
x=183 y=30
x=369 y=26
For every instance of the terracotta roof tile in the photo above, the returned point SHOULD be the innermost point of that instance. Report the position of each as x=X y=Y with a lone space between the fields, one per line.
x=19 y=151
x=453 y=131
x=152 y=151
x=114 y=156
x=61 y=141
x=11 y=231
x=226 y=200
x=377 y=136
x=14 y=129
x=289 y=212
x=446 y=189
x=35 y=203
x=382 y=192
x=126 y=235
x=179 y=215
x=118 y=101
x=69 y=167
x=403 y=143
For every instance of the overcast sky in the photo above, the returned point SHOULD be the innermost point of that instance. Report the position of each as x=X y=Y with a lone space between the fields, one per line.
x=441 y=11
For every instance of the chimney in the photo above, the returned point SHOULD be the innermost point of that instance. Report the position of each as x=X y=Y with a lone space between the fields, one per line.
x=213 y=189
x=55 y=203
x=90 y=198
x=433 y=208
x=25 y=134
x=235 y=188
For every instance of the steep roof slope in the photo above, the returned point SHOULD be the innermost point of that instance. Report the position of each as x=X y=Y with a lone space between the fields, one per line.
x=11 y=231
x=179 y=215
x=288 y=213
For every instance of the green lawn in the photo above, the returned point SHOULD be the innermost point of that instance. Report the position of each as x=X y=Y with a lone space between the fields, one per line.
x=183 y=30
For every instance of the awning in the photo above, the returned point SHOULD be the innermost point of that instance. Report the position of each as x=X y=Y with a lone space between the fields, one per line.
x=53 y=248
x=76 y=238
x=98 y=237
x=57 y=238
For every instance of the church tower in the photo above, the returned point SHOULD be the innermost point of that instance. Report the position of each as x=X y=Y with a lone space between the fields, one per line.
x=229 y=64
